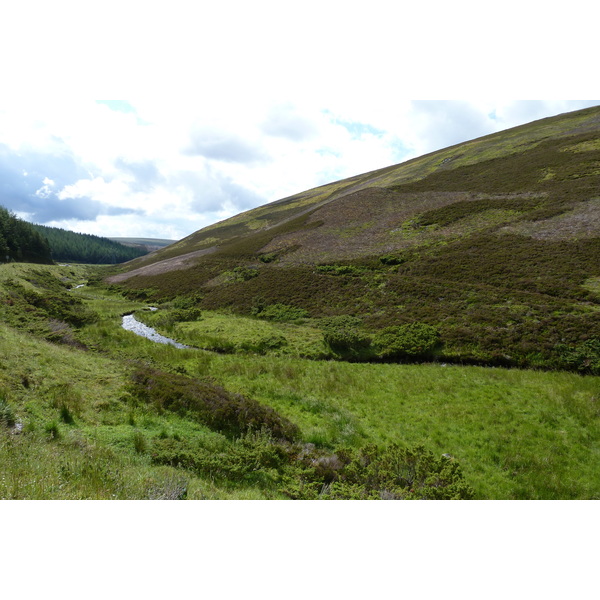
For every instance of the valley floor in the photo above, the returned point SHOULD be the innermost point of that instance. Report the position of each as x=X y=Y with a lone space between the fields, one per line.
x=73 y=426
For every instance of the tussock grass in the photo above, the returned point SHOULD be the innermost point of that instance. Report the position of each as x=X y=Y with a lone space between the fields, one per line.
x=517 y=434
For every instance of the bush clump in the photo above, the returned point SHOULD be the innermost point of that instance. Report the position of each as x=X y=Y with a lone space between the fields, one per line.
x=253 y=458
x=584 y=357
x=262 y=344
x=392 y=259
x=308 y=473
x=396 y=473
x=377 y=473
x=50 y=304
x=185 y=315
x=52 y=430
x=283 y=313
x=414 y=340
x=240 y=274
x=229 y=413
x=342 y=334
x=339 y=269
x=267 y=258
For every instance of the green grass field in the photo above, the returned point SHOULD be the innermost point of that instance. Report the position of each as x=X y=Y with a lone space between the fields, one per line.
x=516 y=434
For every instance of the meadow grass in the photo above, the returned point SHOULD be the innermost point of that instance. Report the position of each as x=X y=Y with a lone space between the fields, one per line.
x=226 y=332
x=103 y=449
x=517 y=434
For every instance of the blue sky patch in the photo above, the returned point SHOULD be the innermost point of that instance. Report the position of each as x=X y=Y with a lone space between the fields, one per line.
x=359 y=129
x=118 y=105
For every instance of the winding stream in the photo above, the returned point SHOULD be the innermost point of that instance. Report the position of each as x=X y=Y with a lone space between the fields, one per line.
x=130 y=323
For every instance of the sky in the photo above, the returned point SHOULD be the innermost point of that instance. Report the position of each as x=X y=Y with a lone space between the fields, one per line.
x=233 y=106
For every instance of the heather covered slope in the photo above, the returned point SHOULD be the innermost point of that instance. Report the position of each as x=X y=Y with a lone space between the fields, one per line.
x=495 y=243
x=348 y=206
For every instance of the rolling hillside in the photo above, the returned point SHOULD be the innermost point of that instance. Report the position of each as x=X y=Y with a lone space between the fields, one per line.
x=293 y=317
x=144 y=244
x=494 y=242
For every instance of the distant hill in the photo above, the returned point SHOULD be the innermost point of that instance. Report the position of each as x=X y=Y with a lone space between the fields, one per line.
x=19 y=241
x=147 y=244
x=69 y=246
x=495 y=242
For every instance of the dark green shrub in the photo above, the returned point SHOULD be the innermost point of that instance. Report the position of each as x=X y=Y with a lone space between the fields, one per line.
x=140 y=295
x=241 y=274
x=373 y=473
x=282 y=313
x=176 y=453
x=211 y=404
x=264 y=344
x=51 y=303
x=306 y=472
x=52 y=430
x=186 y=308
x=339 y=269
x=259 y=304
x=255 y=457
x=218 y=344
x=584 y=357
x=415 y=340
x=346 y=339
x=340 y=321
x=187 y=302
x=267 y=258
x=342 y=334
x=184 y=315
x=396 y=473
x=392 y=259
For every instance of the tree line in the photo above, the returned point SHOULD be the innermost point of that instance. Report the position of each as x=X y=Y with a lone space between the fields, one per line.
x=69 y=246
x=19 y=241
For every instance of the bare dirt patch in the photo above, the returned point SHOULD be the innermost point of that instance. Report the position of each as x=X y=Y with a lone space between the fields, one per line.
x=185 y=261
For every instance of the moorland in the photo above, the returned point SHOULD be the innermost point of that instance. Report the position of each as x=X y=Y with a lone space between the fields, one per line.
x=427 y=330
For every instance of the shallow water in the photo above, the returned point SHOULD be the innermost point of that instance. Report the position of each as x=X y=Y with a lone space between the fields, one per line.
x=130 y=323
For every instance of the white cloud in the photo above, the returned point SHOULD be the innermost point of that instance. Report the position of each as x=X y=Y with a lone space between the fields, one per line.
x=262 y=100
x=172 y=168
x=45 y=191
